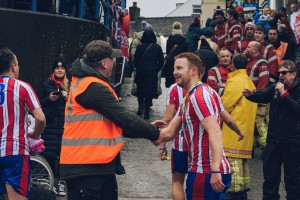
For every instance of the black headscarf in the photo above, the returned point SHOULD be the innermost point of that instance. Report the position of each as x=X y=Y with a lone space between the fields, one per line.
x=148 y=37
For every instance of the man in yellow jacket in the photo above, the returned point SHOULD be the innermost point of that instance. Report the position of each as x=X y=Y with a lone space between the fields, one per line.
x=243 y=112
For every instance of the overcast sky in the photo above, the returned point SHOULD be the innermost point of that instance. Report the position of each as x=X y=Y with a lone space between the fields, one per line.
x=155 y=8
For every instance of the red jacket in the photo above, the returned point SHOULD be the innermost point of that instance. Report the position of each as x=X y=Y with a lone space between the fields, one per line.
x=258 y=70
x=220 y=34
x=269 y=53
x=234 y=35
x=242 y=45
x=217 y=77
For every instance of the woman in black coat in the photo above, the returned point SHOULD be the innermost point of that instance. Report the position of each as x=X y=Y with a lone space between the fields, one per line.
x=53 y=95
x=148 y=60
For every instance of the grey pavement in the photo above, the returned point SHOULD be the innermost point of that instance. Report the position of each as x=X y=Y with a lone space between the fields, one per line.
x=149 y=178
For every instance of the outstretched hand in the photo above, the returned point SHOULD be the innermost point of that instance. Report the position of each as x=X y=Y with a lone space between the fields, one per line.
x=159 y=123
x=247 y=92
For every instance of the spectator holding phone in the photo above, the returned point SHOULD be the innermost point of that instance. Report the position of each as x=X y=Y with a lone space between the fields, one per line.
x=53 y=96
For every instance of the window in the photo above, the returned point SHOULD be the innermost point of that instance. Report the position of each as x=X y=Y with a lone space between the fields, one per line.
x=197 y=9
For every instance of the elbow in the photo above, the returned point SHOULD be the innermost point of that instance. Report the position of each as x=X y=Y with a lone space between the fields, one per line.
x=41 y=119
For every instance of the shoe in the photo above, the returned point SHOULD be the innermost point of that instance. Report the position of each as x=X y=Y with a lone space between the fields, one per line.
x=62 y=188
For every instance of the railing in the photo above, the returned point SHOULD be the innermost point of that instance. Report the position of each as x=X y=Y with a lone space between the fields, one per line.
x=106 y=12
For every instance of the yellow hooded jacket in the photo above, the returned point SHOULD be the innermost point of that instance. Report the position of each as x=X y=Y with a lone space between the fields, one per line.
x=242 y=111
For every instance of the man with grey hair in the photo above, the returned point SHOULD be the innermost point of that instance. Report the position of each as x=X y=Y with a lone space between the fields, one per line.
x=283 y=141
x=95 y=123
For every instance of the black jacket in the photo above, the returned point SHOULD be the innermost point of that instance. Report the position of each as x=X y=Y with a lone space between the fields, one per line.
x=99 y=98
x=54 y=112
x=284 y=124
x=168 y=69
x=148 y=61
x=209 y=59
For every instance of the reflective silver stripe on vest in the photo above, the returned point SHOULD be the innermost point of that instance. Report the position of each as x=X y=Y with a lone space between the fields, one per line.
x=240 y=46
x=93 y=141
x=220 y=83
x=272 y=80
x=84 y=117
x=71 y=95
x=220 y=91
x=266 y=50
x=254 y=67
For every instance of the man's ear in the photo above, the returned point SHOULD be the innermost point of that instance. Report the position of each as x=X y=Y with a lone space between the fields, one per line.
x=103 y=64
x=13 y=67
x=194 y=71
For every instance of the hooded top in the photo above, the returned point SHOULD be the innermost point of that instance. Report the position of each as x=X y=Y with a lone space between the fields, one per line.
x=195 y=22
x=148 y=37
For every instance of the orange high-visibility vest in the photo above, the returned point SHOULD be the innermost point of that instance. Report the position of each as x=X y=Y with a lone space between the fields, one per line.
x=281 y=51
x=89 y=137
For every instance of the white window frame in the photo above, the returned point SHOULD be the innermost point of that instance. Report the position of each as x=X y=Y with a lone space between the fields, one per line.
x=197 y=7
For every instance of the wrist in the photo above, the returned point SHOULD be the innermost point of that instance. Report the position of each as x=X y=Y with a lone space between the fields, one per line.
x=215 y=172
x=162 y=148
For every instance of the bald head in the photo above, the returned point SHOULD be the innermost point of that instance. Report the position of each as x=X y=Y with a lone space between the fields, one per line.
x=256 y=45
x=253 y=49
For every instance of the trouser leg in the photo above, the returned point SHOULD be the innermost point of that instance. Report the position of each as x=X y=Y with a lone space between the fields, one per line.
x=261 y=126
x=291 y=171
x=141 y=104
x=147 y=108
x=272 y=161
x=101 y=187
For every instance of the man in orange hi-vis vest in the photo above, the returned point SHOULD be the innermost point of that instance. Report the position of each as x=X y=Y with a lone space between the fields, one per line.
x=285 y=47
x=95 y=123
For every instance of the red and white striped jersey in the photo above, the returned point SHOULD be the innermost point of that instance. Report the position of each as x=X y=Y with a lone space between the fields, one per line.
x=200 y=105
x=216 y=97
x=175 y=97
x=17 y=98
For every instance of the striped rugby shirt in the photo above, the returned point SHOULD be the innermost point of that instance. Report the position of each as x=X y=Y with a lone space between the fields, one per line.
x=17 y=98
x=202 y=103
x=175 y=97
